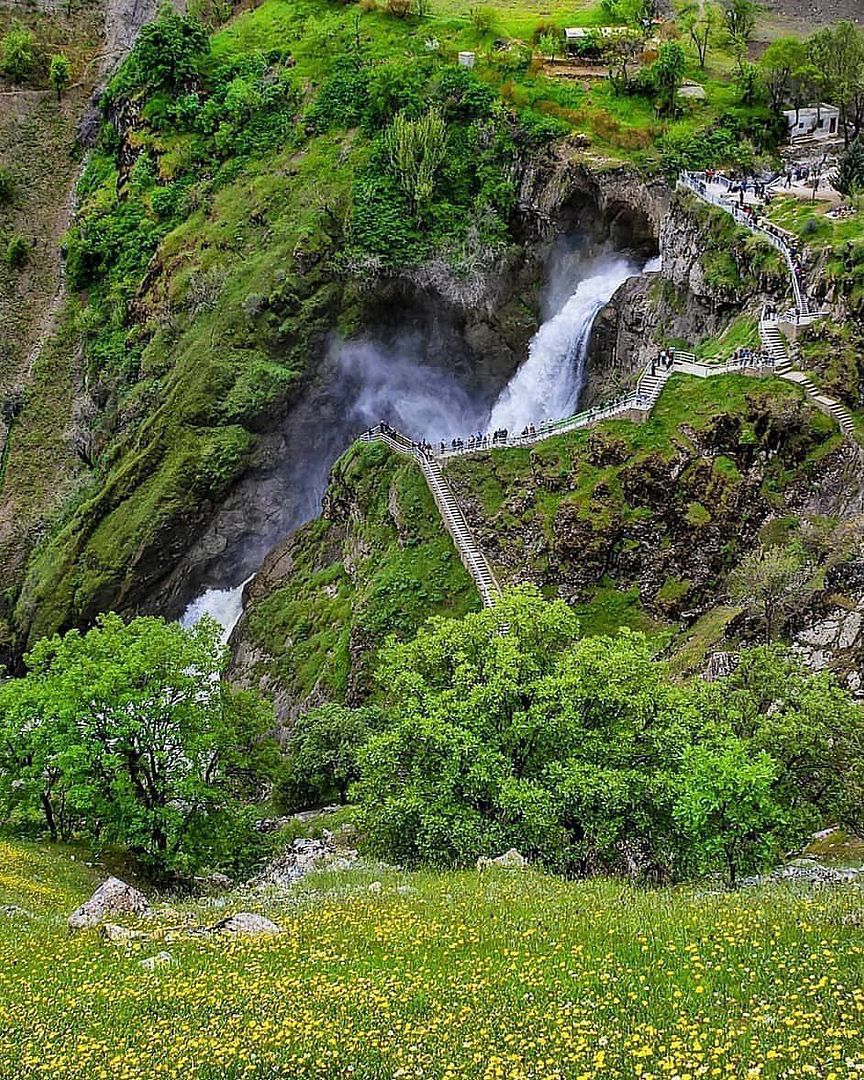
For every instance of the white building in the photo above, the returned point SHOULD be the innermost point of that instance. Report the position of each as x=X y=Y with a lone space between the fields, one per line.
x=813 y=122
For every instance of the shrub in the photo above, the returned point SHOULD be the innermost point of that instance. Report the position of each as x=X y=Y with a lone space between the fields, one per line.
x=17 y=252
x=323 y=751
x=416 y=149
x=342 y=98
x=400 y=9
x=482 y=19
x=17 y=53
x=167 y=56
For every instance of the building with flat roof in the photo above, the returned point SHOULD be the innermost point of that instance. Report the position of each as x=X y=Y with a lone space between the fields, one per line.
x=813 y=122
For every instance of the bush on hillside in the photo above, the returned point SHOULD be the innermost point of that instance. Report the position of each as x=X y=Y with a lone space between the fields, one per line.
x=17 y=252
x=17 y=53
x=167 y=56
x=505 y=728
x=7 y=187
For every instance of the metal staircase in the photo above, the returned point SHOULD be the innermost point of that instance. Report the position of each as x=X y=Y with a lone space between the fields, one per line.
x=775 y=345
x=473 y=558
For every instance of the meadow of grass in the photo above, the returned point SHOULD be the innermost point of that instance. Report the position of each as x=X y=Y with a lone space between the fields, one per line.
x=489 y=975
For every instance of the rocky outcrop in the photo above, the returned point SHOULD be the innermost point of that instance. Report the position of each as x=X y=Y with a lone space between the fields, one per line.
x=622 y=339
x=510 y=860
x=665 y=521
x=300 y=859
x=113 y=897
x=563 y=187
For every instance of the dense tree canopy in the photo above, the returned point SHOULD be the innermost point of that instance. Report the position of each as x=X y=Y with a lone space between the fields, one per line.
x=505 y=728
x=129 y=734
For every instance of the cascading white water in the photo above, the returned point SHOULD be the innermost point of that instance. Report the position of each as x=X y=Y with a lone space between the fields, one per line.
x=549 y=383
x=223 y=605
x=374 y=383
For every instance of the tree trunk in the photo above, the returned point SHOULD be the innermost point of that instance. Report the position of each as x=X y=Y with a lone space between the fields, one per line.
x=48 y=811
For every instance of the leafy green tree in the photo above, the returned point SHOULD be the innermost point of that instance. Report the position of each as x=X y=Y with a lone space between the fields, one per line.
x=771 y=582
x=699 y=20
x=153 y=748
x=667 y=75
x=837 y=54
x=747 y=81
x=848 y=178
x=779 y=65
x=324 y=748
x=416 y=150
x=727 y=806
x=622 y=52
x=739 y=18
x=31 y=780
x=504 y=728
x=550 y=44
x=806 y=722
x=18 y=53
x=60 y=73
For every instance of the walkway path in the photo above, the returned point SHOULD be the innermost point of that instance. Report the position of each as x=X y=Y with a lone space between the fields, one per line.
x=637 y=405
x=472 y=556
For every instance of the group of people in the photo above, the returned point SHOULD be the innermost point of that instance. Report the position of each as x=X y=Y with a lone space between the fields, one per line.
x=663 y=361
x=475 y=442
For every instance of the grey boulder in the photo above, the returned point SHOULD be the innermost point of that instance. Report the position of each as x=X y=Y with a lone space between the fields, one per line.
x=113 y=897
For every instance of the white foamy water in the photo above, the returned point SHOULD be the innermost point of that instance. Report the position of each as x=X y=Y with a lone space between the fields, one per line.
x=223 y=605
x=547 y=386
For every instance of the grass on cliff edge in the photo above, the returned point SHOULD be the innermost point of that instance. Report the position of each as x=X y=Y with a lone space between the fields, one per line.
x=517 y=976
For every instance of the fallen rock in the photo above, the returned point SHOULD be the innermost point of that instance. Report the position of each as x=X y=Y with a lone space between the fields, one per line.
x=149 y=963
x=510 y=860
x=246 y=923
x=297 y=860
x=808 y=872
x=113 y=897
x=213 y=884
x=119 y=934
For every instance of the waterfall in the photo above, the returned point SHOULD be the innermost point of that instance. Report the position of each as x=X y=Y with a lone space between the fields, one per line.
x=223 y=605
x=371 y=381
x=548 y=385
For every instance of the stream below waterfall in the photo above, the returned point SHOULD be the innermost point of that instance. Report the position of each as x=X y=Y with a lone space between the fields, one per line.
x=391 y=383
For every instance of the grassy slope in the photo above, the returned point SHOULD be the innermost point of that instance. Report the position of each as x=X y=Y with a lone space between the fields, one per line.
x=37 y=147
x=378 y=564
x=565 y=471
x=488 y=976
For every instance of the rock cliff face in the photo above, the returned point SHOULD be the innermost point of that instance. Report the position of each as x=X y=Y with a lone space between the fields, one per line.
x=665 y=508
x=712 y=271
